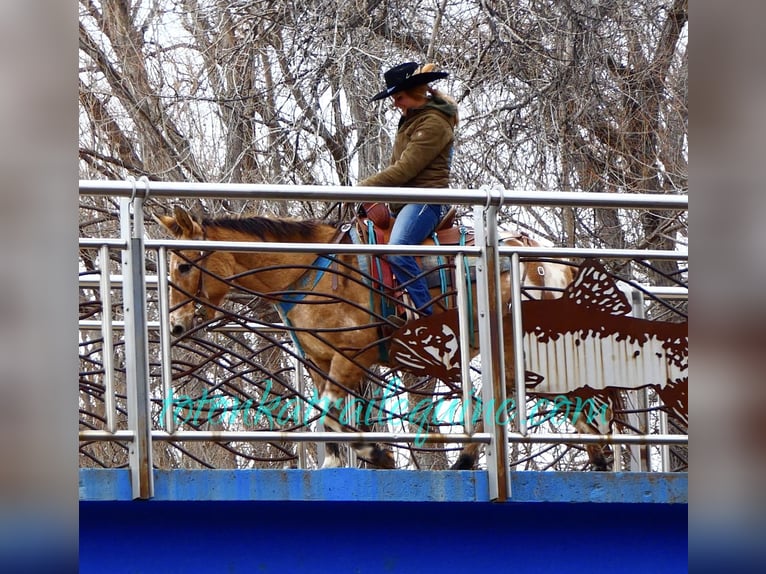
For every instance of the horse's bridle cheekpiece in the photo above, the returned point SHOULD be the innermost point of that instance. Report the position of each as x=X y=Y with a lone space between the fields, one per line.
x=404 y=77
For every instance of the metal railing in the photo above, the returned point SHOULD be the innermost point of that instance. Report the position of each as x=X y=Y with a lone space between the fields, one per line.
x=134 y=247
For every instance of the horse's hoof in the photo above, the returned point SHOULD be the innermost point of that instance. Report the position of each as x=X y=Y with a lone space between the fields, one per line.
x=382 y=458
x=601 y=458
x=601 y=464
x=387 y=460
x=332 y=461
x=463 y=462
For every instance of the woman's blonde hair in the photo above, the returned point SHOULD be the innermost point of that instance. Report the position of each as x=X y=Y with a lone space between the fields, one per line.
x=421 y=92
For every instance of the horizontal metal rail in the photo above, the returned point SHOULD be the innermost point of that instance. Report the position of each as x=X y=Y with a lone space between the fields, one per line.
x=508 y=250
x=332 y=248
x=92 y=281
x=336 y=248
x=558 y=438
x=666 y=292
x=394 y=437
x=487 y=197
x=91 y=324
x=289 y=436
x=96 y=242
x=95 y=324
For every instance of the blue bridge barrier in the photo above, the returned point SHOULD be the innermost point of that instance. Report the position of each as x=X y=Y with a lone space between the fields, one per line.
x=367 y=522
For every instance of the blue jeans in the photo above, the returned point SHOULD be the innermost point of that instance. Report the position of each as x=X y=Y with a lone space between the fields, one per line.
x=412 y=225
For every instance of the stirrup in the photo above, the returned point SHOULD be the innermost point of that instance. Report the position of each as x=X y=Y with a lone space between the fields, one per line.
x=403 y=313
x=396 y=321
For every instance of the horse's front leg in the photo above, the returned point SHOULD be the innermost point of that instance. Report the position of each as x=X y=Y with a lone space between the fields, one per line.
x=341 y=417
x=470 y=453
x=332 y=458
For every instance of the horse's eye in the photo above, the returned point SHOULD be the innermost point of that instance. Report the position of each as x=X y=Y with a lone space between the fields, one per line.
x=184 y=268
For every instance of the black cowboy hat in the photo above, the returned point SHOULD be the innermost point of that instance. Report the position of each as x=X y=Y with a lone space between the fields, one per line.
x=403 y=77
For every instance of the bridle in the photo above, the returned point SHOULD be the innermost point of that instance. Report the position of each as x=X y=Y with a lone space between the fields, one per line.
x=197 y=295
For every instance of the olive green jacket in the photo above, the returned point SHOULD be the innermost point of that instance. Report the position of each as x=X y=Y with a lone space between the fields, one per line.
x=422 y=149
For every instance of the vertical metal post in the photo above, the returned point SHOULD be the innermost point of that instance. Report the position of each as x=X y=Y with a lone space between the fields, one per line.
x=163 y=294
x=642 y=454
x=350 y=451
x=107 y=335
x=136 y=348
x=320 y=428
x=617 y=456
x=301 y=387
x=646 y=452
x=519 y=368
x=491 y=344
x=465 y=341
x=321 y=445
x=664 y=449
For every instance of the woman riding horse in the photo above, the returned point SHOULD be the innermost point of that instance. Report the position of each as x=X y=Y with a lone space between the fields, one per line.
x=421 y=157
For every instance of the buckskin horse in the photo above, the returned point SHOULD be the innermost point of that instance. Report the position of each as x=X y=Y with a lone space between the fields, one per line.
x=336 y=310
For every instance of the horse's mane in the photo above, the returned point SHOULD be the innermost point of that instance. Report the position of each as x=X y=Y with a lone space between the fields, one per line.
x=265 y=226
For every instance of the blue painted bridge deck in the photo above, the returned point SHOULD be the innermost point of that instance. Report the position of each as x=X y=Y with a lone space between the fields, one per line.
x=347 y=484
x=369 y=522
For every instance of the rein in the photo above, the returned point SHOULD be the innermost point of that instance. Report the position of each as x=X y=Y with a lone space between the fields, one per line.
x=318 y=267
x=289 y=300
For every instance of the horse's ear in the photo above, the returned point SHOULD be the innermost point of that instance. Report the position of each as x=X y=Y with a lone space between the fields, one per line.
x=168 y=223
x=184 y=220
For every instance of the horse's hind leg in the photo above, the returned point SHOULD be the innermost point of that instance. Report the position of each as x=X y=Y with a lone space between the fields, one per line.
x=332 y=458
x=340 y=417
x=469 y=455
x=373 y=453
x=601 y=456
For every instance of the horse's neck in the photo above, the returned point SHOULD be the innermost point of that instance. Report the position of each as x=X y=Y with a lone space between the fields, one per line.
x=288 y=267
